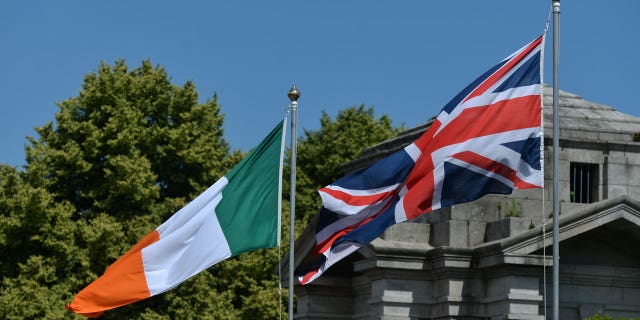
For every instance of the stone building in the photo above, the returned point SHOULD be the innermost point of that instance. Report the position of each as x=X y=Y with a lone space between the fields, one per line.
x=492 y=258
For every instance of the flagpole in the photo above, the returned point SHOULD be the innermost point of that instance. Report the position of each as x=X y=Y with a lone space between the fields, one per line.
x=556 y=156
x=293 y=94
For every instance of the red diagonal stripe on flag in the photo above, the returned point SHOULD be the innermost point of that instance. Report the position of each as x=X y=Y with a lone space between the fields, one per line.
x=356 y=200
x=506 y=115
x=492 y=166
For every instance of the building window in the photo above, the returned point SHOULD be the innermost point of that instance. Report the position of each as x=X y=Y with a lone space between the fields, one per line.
x=584 y=182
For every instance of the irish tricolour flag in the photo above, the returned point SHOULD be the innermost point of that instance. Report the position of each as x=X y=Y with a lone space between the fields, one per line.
x=238 y=213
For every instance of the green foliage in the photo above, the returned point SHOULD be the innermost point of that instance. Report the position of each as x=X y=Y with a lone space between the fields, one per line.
x=36 y=245
x=122 y=156
x=600 y=316
x=128 y=141
x=515 y=210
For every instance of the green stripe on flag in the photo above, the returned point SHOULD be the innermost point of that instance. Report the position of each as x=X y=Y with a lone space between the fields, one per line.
x=248 y=212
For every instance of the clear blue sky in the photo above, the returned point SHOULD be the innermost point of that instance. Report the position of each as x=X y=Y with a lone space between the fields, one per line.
x=404 y=58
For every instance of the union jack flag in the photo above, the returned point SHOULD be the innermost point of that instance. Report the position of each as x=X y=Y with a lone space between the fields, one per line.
x=486 y=140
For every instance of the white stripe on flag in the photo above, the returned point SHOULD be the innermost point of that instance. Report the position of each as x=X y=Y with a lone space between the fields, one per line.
x=190 y=242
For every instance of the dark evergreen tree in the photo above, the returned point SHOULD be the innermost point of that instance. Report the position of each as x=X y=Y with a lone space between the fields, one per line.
x=120 y=158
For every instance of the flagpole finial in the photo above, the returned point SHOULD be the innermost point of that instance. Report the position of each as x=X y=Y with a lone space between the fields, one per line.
x=293 y=94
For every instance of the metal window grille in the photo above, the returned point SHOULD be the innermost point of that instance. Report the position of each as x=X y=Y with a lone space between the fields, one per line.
x=584 y=182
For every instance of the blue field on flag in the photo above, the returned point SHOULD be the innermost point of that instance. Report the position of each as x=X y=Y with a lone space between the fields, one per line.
x=486 y=140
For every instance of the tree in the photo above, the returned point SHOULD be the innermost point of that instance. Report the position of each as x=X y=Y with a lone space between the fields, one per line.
x=36 y=245
x=121 y=157
x=322 y=152
x=129 y=137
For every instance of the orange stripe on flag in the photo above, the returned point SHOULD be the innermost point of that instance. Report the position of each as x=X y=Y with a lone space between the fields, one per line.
x=122 y=283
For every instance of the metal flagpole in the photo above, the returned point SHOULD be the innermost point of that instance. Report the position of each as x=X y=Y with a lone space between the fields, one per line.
x=293 y=94
x=556 y=156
